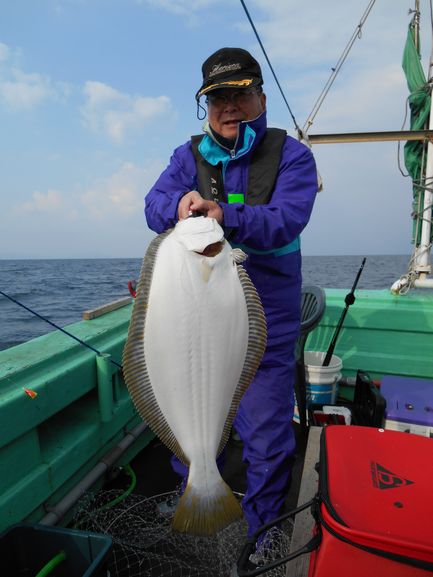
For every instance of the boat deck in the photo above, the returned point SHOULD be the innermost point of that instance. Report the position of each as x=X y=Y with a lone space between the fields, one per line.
x=304 y=522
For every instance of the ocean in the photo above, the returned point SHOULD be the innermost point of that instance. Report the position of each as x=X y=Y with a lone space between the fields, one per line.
x=61 y=290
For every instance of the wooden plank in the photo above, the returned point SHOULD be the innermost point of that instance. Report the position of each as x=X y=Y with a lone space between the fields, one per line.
x=107 y=308
x=304 y=522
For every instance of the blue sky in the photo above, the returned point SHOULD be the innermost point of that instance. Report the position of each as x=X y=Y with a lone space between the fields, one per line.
x=95 y=95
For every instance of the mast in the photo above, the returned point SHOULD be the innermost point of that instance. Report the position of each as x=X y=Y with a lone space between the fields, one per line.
x=422 y=252
x=416 y=24
x=420 y=266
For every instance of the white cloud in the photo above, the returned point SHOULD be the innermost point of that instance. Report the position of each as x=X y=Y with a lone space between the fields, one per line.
x=24 y=91
x=121 y=194
x=20 y=90
x=180 y=7
x=314 y=34
x=51 y=201
x=115 y=113
x=305 y=41
x=105 y=219
x=99 y=93
x=356 y=107
x=4 y=52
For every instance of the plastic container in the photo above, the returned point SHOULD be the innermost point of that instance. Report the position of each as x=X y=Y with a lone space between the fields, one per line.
x=321 y=382
x=26 y=549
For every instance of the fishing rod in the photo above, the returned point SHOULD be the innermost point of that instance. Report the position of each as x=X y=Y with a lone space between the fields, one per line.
x=349 y=300
x=297 y=127
x=57 y=327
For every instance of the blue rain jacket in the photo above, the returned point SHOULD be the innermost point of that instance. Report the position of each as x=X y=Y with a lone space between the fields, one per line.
x=269 y=233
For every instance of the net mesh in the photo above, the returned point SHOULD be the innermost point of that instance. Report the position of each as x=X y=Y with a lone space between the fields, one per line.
x=144 y=544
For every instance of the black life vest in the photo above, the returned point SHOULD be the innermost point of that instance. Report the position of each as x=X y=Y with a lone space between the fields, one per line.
x=262 y=174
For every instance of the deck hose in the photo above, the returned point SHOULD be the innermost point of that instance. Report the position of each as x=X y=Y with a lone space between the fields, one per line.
x=127 y=492
x=51 y=565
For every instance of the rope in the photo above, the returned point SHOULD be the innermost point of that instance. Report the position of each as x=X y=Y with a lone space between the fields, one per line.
x=298 y=129
x=356 y=34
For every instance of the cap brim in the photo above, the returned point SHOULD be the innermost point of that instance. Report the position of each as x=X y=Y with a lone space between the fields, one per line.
x=242 y=83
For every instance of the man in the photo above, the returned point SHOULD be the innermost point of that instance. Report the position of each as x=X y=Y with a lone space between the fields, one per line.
x=260 y=185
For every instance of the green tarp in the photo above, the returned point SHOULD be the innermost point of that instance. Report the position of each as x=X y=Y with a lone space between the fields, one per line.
x=419 y=102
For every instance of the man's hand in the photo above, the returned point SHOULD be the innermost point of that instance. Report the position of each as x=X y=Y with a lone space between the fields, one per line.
x=193 y=202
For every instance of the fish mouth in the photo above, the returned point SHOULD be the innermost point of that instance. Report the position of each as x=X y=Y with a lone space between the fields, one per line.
x=212 y=249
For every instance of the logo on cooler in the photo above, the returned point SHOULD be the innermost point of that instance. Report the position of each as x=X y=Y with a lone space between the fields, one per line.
x=385 y=479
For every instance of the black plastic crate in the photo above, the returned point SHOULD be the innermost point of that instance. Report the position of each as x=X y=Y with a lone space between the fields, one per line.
x=26 y=549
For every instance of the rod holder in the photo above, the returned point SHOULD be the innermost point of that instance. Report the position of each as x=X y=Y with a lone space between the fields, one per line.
x=105 y=386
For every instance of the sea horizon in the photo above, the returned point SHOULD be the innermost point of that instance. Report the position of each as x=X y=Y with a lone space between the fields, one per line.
x=62 y=289
x=25 y=258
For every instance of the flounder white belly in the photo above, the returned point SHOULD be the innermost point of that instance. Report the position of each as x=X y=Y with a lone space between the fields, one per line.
x=196 y=337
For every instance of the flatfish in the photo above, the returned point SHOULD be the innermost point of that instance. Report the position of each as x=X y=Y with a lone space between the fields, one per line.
x=196 y=338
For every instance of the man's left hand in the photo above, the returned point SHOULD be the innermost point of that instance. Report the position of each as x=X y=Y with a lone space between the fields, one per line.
x=209 y=208
x=194 y=202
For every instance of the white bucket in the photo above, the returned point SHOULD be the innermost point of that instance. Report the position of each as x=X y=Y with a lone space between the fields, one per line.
x=320 y=382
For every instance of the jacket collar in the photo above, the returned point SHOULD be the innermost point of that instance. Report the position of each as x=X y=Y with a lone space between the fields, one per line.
x=246 y=129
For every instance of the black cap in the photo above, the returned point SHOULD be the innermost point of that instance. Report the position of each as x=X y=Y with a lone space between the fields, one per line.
x=230 y=68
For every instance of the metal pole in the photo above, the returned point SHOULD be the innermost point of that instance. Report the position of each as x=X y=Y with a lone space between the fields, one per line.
x=58 y=511
x=384 y=136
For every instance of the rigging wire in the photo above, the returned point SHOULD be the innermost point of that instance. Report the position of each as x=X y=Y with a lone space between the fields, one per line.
x=356 y=34
x=335 y=70
x=406 y=110
x=298 y=129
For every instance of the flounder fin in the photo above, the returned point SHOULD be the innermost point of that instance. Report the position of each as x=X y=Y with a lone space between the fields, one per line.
x=239 y=255
x=134 y=362
x=205 y=515
x=257 y=338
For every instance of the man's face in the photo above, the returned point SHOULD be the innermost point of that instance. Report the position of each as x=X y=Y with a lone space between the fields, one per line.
x=229 y=106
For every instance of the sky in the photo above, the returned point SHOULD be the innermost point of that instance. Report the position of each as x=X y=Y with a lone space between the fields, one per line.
x=96 y=94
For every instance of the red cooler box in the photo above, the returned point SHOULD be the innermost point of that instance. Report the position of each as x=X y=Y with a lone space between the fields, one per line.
x=375 y=506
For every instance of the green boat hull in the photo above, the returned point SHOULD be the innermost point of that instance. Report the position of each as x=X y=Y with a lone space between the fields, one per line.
x=82 y=409
x=382 y=334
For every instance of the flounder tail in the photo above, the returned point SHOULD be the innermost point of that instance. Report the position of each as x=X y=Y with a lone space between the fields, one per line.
x=203 y=514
